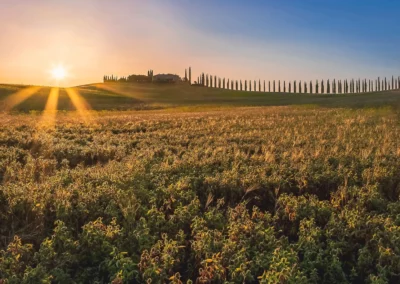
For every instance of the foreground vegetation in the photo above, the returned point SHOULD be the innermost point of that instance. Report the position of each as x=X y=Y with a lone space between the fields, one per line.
x=245 y=195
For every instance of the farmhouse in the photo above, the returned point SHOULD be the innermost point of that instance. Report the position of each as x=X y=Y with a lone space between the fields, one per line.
x=167 y=78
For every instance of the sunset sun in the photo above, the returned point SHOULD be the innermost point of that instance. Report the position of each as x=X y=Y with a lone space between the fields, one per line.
x=58 y=73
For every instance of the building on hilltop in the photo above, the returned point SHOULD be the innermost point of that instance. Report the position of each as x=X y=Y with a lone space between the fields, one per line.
x=166 y=78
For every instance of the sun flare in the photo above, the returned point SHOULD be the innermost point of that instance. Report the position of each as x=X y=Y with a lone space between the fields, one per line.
x=59 y=73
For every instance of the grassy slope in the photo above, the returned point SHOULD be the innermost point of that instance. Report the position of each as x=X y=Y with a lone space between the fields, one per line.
x=142 y=96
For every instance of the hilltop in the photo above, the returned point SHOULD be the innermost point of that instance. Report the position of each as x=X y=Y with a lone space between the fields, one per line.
x=114 y=96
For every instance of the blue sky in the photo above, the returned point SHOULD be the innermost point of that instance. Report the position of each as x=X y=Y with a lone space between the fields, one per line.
x=270 y=39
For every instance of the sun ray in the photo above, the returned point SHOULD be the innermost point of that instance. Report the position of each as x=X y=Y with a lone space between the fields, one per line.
x=50 y=111
x=17 y=98
x=80 y=104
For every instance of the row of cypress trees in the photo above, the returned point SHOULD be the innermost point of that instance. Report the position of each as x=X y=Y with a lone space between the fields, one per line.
x=323 y=87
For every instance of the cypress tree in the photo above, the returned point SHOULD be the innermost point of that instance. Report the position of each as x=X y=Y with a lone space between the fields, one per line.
x=223 y=85
x=305 y=88
x=250 y=85
x=245 y=85
x=202 y=78
x=322 y=87
x=259 y=85
x=279 y=86
x=328 y=87
x=300 y=87
x=379 y=84
x=311 y=90
x=269 y=86
x=274 y=86
x=264 y=86
x=186 y=78
x=284 y=86
x=334 y=86
x=290 y=87
x=385 y=84
x=392 y=82
x=190 y=75
x=255 y=86
x=295 y=86
x=317 y=88
x=241 y=85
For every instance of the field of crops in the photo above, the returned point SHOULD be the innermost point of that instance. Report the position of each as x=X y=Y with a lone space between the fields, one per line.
x=244 y=195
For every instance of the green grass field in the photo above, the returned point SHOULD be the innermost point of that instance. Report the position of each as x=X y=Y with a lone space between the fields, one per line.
x=113 y=96
x=194 y=185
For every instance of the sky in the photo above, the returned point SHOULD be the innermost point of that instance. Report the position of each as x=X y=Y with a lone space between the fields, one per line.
x=248 y=40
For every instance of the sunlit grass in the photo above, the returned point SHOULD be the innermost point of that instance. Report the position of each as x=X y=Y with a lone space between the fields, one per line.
x=50 y=112
x=17 y=98
x=80 y=104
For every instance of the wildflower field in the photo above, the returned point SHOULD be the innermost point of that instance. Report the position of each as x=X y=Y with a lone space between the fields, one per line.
x=289 y=194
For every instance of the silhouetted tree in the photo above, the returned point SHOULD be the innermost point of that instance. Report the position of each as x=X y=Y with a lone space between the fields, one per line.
x=300 y=87
x=259 y=85
x=385 y=84
x=223 y=84
x=322 y=87
x=255 y=86
x=190 y=75
x=305 y=87
x=269 y=86
x=264 y=86
x=328 y=87
x=279 y=86
x=311 y=89
x=241 y=86
x=186 y=78
x=250 y=85
x=284 y=86
x=295 y=86
x=290 y=87
x=316 y=87
x=245 y=85
x=274 y=86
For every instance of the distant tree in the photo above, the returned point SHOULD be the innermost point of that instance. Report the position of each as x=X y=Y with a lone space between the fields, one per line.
x=245 y=85
x=379 y=84
x=316 y=87
x=334 y=86
x=328 y=87
x=290 y=87
x=284 y=86
x=264 y=86
x=295 y=86
x=186 y=78
x=250 y=85
x=241 y=86
x=223 y=85
x=259 y=85
x=311 y=89
x=190 y=75
x=322 y=87
x=305 y=87
x=385 y=84
x=300 y=91
x=274 y=87
x=279 y=86
x=269 y=86
x=255 y=86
